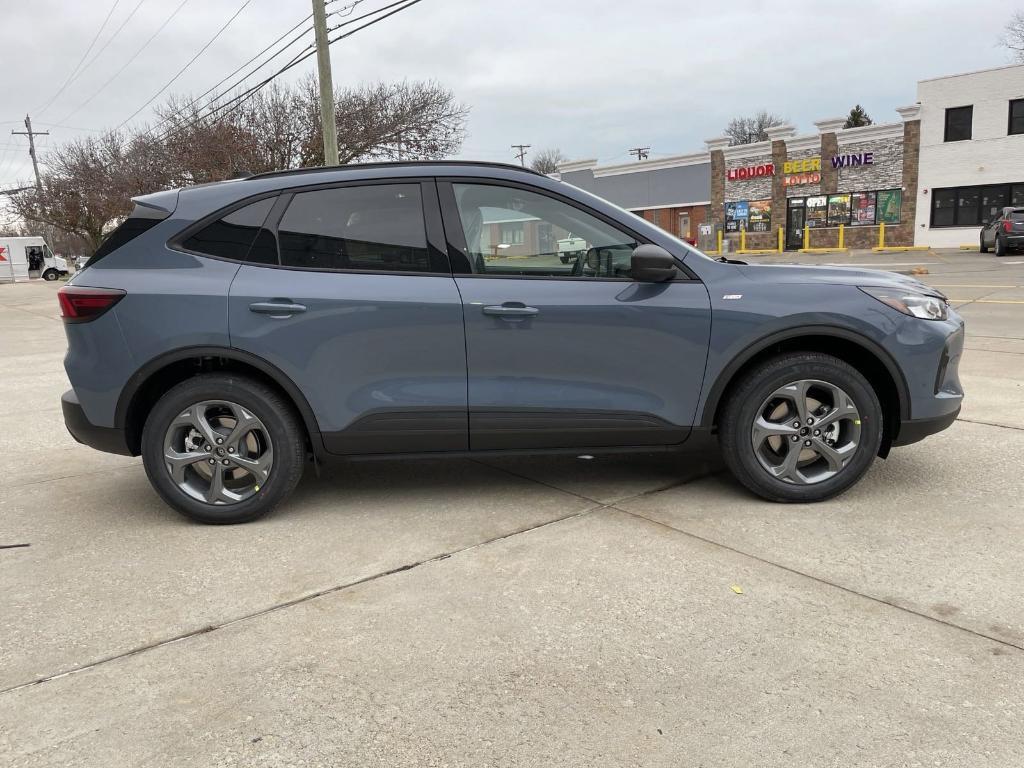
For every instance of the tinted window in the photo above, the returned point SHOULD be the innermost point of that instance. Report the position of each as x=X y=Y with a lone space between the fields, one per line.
x=516 y=232
x=993 y=200
x=140 y=220
x=373 y=228
x=239 y=235
x=1016 y=116
x=943 y=207
x=967 y=200
x=958 y=123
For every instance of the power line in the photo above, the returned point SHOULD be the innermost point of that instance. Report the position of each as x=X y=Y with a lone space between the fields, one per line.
x=188 y=64
x=125 y=66
x=641 y=153
x=212 y=103
x=109 y=40
x=203 y=95
x=40 y=110
x=236 y=101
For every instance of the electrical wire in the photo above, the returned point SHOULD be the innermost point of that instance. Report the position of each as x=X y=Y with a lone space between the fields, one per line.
x=236 y=101
x=40 y=110
x=124 y=66
x=188 y=64
x=239 y=69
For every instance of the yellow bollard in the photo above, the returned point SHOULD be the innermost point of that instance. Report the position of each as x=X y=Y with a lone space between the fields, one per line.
x=840 y=237
x=743 y=239
x=807 y=237
x=719 y=242
x=881 y=235
x=780 y=239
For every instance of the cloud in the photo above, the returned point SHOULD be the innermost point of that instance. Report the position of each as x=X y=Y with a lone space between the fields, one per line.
x=592 y=77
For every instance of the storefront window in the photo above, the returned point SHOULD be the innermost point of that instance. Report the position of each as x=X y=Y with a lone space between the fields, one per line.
x=838 y=210
x=967 y=200
x=888 y=206
x=817 y=211
x=862 y=208
x=760 y=216
x=993 y=200
x=736 y=215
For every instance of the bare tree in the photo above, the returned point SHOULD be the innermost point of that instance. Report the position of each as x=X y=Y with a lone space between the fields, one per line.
x=88 y=183
x=858 y=117
x=747 y=130
x=1013 y=36
x=548 y=160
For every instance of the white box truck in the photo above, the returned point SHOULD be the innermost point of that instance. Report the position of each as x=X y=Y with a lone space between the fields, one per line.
x=24 y=258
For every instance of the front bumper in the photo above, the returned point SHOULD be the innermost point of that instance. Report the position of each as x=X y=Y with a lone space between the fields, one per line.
x=106 y=439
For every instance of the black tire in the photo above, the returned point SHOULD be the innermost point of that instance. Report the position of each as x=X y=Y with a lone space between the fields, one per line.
x=757 y=385
x=982 y=248
x=50 y=275
x=1000 y=246
x=277 y=416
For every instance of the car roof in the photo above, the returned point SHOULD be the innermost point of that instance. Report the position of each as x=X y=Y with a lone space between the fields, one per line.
x=417 y=164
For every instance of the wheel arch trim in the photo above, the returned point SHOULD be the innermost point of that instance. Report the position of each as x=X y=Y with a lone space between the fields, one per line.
x=728 y=374
x=145 y=372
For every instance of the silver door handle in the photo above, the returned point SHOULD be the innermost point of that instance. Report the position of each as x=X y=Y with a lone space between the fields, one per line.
x=511 y=309
x=277 y=308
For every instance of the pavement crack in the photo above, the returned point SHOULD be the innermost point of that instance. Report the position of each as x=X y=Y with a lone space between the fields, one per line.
x=991 y=424
x=820 y=580
x=293 y=602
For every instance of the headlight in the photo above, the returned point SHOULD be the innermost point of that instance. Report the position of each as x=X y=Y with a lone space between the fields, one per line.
x=910 y=303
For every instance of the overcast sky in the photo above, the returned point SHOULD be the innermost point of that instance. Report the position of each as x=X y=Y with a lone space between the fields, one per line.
x=591 y=77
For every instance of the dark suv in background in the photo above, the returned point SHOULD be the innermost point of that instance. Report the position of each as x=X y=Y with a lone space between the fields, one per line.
x=228 y=333
x=1004 y=232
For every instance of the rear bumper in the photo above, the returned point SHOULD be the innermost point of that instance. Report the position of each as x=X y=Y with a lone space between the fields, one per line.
x=106 y=439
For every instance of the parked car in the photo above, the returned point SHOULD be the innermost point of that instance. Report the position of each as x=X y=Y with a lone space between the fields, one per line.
x=230 y=333
x=1004 y=233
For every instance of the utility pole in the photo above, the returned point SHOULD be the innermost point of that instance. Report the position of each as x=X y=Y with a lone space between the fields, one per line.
x=323 y=61
x=521 y=154
x=32 y=146
x=640 y=152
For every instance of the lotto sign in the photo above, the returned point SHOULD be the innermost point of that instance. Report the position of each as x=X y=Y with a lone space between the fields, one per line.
x=3 y=253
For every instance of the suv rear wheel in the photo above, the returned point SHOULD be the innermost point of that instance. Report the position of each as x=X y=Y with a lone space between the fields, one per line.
x=223 y=449
x=801 y=427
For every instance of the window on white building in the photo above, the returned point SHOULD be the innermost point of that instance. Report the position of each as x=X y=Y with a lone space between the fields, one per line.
x=958 y=123
x=1016 y=117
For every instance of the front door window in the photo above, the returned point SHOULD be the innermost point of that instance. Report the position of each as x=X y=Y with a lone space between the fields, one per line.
x=795 y=224
x=511 y=231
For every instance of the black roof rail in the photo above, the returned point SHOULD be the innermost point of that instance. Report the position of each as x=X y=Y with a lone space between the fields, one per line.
x=395 y=164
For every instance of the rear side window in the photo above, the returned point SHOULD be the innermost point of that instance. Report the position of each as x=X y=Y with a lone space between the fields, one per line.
x=372 y=228
x=1016 y=216
x=238 y=236
x=142 y=219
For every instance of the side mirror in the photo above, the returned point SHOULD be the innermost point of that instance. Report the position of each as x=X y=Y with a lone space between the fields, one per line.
x=652 y=264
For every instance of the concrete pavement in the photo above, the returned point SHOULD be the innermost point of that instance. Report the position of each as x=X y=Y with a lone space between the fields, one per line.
x=521 y=611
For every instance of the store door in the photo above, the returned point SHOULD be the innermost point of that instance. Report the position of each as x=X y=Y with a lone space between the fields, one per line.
x=684 y=226
x=795 y=224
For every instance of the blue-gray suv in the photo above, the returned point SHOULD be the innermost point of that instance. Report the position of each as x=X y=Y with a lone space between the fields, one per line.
x=233 y=332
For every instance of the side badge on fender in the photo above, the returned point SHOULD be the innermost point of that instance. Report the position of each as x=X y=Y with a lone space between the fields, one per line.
x=732 y=296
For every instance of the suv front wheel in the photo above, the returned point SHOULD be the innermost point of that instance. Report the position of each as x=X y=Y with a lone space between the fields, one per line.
x=223 y=449
x=801 y=427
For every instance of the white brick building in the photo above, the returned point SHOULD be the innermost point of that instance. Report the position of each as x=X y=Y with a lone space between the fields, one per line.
x=971 y=153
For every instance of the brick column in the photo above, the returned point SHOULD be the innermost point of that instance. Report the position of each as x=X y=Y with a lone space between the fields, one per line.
x=716 y=148
x=779 y=154
x=911 y=156
x=829 y=148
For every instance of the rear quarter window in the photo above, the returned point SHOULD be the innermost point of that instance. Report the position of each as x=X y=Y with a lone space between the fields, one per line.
x=238 y=236
x=142 y=219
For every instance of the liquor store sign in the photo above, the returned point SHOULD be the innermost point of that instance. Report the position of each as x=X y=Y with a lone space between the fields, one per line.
x=796 y=172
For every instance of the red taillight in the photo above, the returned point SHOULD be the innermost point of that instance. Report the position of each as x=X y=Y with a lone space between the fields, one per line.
x=80 y=304
x=1007 y=225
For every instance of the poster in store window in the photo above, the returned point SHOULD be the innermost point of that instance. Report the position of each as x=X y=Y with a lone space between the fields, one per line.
x=863 y=208
x=816 y=211
x=889 y=206
x=760 y=216
x=736 y=215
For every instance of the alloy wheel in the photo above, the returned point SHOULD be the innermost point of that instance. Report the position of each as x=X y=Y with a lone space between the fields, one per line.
x=218 y=452
x=805 y=432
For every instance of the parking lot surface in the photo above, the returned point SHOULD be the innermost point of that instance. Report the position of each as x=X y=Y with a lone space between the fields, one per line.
x=620 y=610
